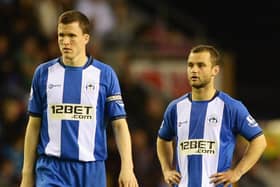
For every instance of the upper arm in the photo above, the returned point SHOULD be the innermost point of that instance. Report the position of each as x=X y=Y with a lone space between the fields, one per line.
x=260 y=141
x=164 y=147
x=117 y=123
x=161 y=141
x=34 y=123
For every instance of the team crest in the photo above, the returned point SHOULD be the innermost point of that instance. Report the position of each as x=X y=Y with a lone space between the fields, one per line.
x=90 y=87
x=213 y=119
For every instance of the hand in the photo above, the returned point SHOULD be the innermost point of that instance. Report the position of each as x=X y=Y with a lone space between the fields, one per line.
x=172 y=177
x=228 y=177
x=127 y=179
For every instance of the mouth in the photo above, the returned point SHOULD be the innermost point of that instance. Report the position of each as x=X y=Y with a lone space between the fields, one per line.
x=66 y=50
x=194 y=78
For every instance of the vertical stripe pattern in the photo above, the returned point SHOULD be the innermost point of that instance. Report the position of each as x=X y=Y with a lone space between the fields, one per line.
x=72 y=104
x=87 y=131
x=72 y=136
x=198 y=123
x=183 y=117
x=54 y=126
x=205 y=132
x=212 y=131
x=70 y=128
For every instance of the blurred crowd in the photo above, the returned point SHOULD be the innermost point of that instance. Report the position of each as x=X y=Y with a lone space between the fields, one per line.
x=120 y=33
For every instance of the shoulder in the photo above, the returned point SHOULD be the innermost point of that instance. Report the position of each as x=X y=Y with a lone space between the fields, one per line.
x=173 y=104
x=41 y=68
x=47 y=64
x=101 y=65
x=107 y=73
x=229 y=101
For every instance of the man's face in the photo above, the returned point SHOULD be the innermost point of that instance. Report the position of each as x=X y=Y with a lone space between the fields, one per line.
x=71 y=40
x=200 y=70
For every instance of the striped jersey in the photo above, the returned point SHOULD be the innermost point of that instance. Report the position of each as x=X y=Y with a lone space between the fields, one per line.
x=74 y=104
x=205 y=134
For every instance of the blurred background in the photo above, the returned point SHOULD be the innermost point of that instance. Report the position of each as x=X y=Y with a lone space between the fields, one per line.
x=146 y=42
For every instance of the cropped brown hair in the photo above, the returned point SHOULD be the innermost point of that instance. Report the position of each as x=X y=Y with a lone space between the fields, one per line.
x=71 y=16
x=214 y=53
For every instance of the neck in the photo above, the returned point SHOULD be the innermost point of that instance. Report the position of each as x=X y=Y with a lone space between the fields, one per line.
x=79 y=61
x=203 y=94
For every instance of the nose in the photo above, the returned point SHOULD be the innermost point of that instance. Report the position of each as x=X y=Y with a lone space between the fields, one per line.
x=65 y=40
x=194 y=69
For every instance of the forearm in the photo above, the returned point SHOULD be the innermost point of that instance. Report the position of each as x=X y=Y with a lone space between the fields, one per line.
x=123 y=142
x=252 y=155
x=165 y=154
x=30 y=145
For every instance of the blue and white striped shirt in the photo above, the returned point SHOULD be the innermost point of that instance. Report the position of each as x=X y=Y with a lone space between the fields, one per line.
x=74 y=103
x=205 y=134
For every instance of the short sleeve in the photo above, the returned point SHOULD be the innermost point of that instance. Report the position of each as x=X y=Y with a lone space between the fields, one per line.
x=246 y=125
x=35 y=100
x=115 y=104
x=167 y=129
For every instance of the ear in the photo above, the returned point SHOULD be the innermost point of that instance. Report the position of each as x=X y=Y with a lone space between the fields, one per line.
x=86 y=38
x=216 y=70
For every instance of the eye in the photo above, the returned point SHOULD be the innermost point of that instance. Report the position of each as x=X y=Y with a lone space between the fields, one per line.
x=190 y=65
x=200 y=65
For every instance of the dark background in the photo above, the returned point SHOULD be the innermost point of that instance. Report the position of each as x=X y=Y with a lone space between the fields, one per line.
x=249 y=31
x=252 y=33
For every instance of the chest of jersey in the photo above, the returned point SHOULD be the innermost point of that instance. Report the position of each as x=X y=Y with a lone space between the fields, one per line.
x=199 y=127
x=72 y=94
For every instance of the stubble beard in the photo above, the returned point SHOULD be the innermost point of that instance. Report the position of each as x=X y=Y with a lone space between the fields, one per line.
x=200 y=85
